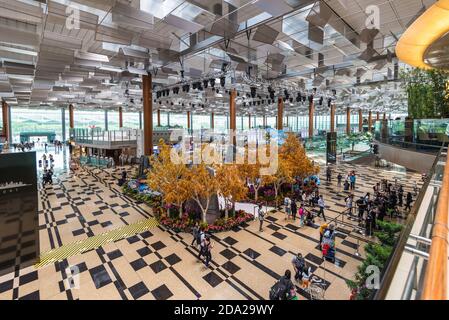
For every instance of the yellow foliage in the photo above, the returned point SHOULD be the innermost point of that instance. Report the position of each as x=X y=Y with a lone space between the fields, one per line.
x=168 y=177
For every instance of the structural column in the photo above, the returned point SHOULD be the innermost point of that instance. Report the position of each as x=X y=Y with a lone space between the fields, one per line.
x=140 y=120
x=106 y=122
x=360 y=120
x=280 y=117
x=188 y=120
x=332 y=118
x=158 y=117
x=147 y=85
x=63 y=124
x=385 y=116
x=311 y=112
x=5 y=114
x=378 y=116
x=370 y=121
x=212 y=122
x=71 y=125
x=249 y=121
x=348 y=120
x=232 y=116
x=120 y=117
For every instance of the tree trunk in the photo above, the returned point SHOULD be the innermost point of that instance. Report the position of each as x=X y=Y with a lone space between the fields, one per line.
x=226 y=212
x=275 y=194
x=256 y=193
x=204 y=215
x=180 y=210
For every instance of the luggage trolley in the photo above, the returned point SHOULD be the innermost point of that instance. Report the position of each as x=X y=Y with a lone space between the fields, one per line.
x=316 y=289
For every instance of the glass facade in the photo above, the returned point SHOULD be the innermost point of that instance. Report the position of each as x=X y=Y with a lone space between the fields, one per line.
x=202 y=121
x=35 y=120
x=92 y=119
x=131 y=120
x=25 y=119
x=113 y=121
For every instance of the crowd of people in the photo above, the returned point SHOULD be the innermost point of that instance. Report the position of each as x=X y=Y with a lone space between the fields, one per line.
x=388 y=199
x=47 y=164
x=23 y=146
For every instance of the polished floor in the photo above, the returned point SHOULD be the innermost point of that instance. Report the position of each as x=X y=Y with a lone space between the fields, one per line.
x=160 y=264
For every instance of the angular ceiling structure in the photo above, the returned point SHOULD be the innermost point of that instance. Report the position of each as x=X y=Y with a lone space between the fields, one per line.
x=92 y=53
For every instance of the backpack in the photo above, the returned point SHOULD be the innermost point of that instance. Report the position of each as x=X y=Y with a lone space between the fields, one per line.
x=278 y=291
x=198 y=238
x=299 y=262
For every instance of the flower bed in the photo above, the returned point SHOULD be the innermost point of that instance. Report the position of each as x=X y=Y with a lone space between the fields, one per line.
x=139 y=191
x=185 y=223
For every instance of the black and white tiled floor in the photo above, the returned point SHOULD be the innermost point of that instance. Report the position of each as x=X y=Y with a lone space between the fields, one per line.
x=161 y=264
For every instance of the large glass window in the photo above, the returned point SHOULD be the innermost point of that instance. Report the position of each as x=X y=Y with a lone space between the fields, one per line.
x=178 y=119
x=86 y=119
x=221 y=123
x=113 y=120
x=131 y=120
x=202 y=121
x=35 y=120
x=271 y=122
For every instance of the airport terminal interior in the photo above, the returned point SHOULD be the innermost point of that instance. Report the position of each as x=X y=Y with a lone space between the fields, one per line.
x=224 y=149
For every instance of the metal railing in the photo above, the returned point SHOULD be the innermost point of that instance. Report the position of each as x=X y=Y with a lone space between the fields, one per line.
x=419 y=147
x=415 y=238
x=91 y=136
x=435 y=281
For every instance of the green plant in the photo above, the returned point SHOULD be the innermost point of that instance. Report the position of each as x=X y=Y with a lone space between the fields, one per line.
x=377 y=255
x=427 y=92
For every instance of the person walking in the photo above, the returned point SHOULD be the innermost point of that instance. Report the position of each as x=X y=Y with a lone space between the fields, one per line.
x=207 y=251
x=323 y=228
x=283 y=288
x=348 y=201
x=408 y=201
x=294 y=209
x=321 y=206
x=339 y=178
x=287 y=205
x=200 y=240
x=328 y=174
x=352 y=179
x=400 y=196
x=302 y=214
x=195 y=233
x=261 y=216
x=298 y=263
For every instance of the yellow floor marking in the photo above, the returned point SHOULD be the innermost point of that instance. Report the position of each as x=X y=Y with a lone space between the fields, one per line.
x=78 y=247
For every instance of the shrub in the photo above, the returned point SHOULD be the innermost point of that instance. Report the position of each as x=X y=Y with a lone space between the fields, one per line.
x=376 y=254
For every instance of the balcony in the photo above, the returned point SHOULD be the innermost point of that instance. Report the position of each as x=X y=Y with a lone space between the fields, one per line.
x=418 y=267
x=97 y=138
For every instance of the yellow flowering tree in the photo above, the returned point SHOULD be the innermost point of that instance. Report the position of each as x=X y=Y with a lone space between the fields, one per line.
x=168 y=177
x=230 y=185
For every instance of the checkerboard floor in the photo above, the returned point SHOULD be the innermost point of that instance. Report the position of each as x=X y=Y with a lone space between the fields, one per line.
x=161 y=264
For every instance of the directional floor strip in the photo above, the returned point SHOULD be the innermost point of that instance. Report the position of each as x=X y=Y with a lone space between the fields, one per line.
x=81 y=246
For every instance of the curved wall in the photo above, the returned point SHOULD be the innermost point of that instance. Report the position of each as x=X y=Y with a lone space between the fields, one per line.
x=418 y=161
